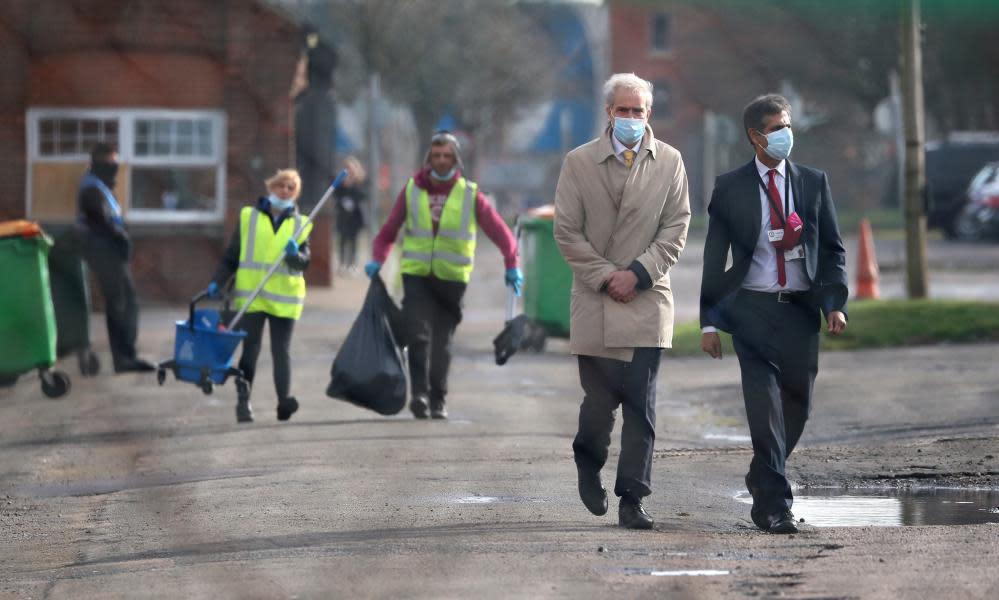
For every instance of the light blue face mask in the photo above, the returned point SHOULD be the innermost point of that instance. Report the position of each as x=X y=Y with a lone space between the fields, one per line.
x=628 y=131
x=779 y=144
x=445 y=177
x=280 y=204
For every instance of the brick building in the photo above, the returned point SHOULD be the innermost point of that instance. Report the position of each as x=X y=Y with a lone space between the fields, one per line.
x=194 y=92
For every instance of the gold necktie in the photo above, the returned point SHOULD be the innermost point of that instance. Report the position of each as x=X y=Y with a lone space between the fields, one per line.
x=629 y=158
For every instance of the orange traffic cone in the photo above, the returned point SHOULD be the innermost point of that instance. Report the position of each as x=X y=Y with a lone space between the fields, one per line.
x=867 y=264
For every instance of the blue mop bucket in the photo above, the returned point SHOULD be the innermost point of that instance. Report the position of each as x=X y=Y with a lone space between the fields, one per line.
x=202 y=349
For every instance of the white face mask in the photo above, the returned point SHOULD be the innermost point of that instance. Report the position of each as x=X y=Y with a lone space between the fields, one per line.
x=779 y=143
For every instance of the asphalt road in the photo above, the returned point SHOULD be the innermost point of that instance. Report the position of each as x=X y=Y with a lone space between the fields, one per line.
x=126 y=489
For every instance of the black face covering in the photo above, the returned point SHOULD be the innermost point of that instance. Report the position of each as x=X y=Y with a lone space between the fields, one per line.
x=105 y=171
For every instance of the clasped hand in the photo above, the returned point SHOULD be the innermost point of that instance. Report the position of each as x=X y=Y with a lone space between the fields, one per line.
x=621 y=286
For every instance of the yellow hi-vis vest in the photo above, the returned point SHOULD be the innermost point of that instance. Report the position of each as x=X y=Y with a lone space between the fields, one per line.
x=259 y=247
x=450 y=254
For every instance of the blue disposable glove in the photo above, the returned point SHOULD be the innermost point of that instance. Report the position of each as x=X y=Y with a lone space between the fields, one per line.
x=291 y=248
x=213 y=290
x=372 y=268
x=515 y=279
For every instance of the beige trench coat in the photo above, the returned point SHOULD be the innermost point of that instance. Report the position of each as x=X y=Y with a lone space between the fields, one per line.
x=598 y=237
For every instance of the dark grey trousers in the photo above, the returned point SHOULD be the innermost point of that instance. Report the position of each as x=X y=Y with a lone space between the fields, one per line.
x=778 y=349
x=431 y=308
x=607 y=384
x=121 y=307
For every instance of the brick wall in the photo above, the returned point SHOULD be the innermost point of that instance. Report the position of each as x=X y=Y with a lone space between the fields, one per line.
x=237 y=55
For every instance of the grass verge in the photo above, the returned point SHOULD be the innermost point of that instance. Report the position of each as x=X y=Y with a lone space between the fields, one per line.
x=886 y=324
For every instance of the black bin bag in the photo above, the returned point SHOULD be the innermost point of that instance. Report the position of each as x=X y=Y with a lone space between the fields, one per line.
x=369 y=369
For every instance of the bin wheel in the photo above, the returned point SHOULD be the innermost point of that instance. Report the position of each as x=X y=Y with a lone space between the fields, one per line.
x=90 y=365
x=7 y=380
x=207 y=386
x=160 y=375
x=55 y=384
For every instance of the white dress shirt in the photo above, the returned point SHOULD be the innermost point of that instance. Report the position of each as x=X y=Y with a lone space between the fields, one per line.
x=619 y=148
x=762 y=274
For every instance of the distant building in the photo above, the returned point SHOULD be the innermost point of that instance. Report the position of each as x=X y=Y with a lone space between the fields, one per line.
x=194 y=93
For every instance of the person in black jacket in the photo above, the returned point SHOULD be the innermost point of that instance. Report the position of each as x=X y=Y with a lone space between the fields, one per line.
x=349 y=215
x=278 y=207
x=788 y=267
x=107 y=249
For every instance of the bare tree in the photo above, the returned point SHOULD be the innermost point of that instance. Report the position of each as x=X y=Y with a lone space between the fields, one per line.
x=480 y=61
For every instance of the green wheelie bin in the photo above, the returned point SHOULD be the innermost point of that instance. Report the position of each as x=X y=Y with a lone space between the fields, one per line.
x=547 y=277
x=27 y=317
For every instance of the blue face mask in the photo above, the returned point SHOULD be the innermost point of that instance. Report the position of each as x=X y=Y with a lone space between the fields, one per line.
x=779 y=144
x=446 y=176
x=628 y=131
x=280 y=204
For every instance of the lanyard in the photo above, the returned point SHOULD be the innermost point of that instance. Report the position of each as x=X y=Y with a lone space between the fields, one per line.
x=787 y=195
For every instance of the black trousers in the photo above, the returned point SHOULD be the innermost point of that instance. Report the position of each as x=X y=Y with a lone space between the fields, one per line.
x=606 y=384
x=431 y=309
x=281 y=328
x=104 y=258
x=348 y=249
x=778 y=349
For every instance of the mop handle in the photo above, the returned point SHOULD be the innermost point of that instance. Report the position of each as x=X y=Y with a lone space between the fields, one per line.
x=274 y=267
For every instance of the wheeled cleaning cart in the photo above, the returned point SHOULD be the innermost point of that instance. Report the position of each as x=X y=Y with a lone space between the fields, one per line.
x=203 y=350
x=27 y=317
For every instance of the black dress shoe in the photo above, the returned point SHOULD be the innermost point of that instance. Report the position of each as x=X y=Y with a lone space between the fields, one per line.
x=591 y=491
x=138 y=365
x=783 y=523
x=631 y=514
x=286 y=408
x=419 y=407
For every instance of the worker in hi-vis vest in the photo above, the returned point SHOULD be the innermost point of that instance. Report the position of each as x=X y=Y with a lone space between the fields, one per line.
x=440 y=213
x=265 y=233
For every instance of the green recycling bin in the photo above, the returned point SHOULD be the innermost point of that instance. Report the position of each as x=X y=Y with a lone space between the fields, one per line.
x=27 y=317
x=547 y=277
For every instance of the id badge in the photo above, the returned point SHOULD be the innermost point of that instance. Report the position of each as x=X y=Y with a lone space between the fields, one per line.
x=796 y=253
x=775 y=235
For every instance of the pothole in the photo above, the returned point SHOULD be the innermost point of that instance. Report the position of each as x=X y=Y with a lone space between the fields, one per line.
x=874 y=507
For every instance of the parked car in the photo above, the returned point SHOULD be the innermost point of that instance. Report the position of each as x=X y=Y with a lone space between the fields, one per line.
x=979 y=217
x=950 y=165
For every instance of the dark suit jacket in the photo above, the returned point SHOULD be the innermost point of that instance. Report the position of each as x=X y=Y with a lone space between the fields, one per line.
x=734 y=223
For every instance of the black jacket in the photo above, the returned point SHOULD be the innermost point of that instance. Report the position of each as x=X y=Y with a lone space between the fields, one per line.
x=734 y=223
x=230 y=258
x=96 y=220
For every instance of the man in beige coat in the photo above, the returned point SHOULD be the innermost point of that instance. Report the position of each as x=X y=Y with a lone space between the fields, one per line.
x=621 y=216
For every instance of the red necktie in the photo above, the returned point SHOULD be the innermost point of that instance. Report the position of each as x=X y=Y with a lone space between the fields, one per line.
x=776 y=223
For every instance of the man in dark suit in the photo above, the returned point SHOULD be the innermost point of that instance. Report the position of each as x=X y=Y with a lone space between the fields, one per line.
x=788 y=264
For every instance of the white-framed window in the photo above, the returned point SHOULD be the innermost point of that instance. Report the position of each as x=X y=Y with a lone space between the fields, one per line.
x=172 y=161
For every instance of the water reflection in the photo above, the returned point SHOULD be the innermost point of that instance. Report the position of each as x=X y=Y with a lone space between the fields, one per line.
x=893 y=508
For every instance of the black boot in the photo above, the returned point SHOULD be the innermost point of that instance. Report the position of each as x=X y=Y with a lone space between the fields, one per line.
x=244 y=413
x=419 y=406
x=437 y=409
x=286 y=407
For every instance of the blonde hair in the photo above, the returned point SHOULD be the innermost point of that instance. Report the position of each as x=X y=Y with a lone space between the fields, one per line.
x=285 y=175
x=355 y=170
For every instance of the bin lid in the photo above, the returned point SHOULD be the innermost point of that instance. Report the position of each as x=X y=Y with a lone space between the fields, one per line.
x=19 y=228
x=545 y=212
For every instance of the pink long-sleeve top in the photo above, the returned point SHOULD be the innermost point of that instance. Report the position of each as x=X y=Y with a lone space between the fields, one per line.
x=486 y=216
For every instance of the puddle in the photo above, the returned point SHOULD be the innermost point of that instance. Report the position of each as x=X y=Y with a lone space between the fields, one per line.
x=476 y=499
x=893 y=508
x=684 y=573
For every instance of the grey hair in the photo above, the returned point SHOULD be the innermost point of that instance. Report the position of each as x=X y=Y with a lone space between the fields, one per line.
x=627 y=81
